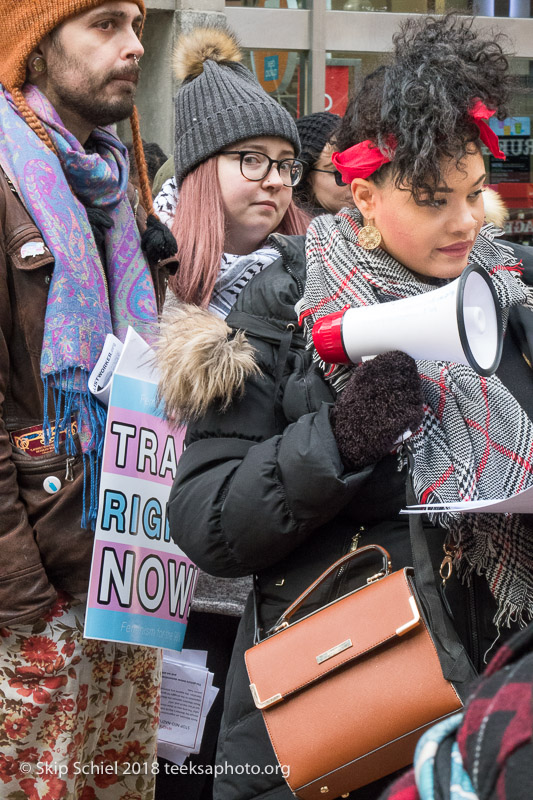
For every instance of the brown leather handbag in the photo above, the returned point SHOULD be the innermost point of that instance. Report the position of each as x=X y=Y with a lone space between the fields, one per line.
x=347 y=690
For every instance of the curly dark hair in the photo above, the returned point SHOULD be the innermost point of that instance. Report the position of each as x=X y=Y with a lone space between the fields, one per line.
x=439 y=67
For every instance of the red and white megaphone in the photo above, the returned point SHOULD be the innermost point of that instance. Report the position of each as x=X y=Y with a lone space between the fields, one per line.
x=460 y=322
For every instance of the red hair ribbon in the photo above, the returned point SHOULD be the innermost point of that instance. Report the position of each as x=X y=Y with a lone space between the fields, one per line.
x=365 y=158
x=480 y=114
x=361 y=160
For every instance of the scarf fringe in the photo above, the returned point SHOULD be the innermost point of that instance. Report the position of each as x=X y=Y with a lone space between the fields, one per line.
x=69 y=401
x=508 y=613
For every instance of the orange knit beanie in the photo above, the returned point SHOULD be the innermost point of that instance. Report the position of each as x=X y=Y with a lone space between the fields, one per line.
x=25 y=23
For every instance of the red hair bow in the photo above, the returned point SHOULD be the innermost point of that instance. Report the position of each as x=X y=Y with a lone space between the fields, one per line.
x=365 y=158
x=361 y=160
x=480 y=114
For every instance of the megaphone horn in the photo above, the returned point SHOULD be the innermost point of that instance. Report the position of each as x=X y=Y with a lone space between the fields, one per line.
x=460 y=322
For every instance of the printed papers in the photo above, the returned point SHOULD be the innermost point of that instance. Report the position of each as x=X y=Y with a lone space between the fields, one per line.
x=520 y=503
x=141 y=583
x=187 y=694
x=100 y=377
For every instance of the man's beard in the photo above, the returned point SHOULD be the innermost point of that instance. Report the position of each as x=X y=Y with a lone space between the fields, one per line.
x=97 y=112
x=87 y=101
x=89 y=105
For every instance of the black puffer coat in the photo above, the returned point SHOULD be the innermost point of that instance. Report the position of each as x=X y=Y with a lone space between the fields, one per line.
x=261 y=489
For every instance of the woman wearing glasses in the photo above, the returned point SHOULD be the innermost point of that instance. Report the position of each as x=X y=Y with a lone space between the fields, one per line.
x=321 y=189
x=235 y=169
x=236 y=166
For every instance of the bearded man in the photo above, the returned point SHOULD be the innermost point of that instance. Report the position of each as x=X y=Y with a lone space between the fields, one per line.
x=74 y=714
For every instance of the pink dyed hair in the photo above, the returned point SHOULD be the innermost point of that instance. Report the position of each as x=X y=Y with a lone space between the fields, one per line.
x=199 y=228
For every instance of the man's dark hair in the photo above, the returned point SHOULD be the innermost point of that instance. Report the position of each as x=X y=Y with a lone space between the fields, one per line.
x=155 y=158
x=439 y=68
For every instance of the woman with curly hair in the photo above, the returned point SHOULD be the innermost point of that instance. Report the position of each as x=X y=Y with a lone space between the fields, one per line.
x=297 y=463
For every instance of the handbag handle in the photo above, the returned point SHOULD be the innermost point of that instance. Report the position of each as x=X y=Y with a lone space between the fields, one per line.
x=283 y=621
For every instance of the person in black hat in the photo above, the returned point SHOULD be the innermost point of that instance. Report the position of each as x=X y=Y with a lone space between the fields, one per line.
x=321 y=189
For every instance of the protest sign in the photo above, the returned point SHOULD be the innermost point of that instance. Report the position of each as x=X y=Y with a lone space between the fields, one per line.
x=141 y=583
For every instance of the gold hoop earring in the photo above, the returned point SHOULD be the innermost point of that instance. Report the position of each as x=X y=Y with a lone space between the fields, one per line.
x=369 y=237
x=39 y=64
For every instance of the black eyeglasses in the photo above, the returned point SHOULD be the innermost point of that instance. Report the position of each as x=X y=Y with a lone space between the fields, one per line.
x=338 y=177
x=256 y=166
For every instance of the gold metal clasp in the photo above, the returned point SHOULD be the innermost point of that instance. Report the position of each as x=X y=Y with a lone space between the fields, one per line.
x=446 y=567
x=280 y=627
x=355 y=540
x=377 y=576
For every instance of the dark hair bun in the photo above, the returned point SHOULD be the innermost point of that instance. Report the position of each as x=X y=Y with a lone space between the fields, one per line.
x=439 y=67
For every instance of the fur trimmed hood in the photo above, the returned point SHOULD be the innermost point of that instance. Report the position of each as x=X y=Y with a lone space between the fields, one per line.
x=495 y=209
x=201 y=361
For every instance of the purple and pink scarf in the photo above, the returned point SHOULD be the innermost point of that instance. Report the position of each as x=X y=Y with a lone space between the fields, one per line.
x=85 y=301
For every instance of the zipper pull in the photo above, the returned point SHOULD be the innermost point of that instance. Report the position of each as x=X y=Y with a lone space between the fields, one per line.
x=69 y=472
x=355 y=540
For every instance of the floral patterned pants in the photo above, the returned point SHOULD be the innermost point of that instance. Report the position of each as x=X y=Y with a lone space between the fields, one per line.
x=78 y=717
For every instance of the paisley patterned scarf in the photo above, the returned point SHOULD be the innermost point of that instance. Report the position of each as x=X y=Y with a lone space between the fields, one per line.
x=86 y=299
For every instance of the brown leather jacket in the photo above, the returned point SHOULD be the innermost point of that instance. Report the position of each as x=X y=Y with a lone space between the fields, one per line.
x=42 y=546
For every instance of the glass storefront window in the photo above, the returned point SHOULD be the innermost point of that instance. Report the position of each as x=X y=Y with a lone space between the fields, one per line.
x=485 y=8
x=402 y=6
x=512 y=178
x=268 y=3
x=283 y=74
x=344 y=74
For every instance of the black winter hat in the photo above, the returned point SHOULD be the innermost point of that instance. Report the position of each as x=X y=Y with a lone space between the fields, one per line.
x=315 y=131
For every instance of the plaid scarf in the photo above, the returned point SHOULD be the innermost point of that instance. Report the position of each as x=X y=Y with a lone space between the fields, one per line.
x=485 y=751
x=475 y=441
x=85 y=301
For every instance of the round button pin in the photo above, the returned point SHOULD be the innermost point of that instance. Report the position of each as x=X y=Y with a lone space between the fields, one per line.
x=51 y=484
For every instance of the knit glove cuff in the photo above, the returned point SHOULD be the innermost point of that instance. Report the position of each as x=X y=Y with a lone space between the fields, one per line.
x=382 y=399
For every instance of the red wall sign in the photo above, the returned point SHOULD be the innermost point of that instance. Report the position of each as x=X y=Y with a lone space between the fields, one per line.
x=337 y=90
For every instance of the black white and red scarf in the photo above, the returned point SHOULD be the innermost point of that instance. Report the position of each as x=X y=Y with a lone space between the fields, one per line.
x=488 y=755
x=475 y=442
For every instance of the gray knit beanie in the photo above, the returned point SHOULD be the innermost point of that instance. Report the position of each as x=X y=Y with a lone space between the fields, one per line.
x=219 y=102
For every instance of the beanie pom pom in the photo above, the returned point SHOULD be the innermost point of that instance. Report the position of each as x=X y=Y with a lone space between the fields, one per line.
x=158 y=241
x=214 y=43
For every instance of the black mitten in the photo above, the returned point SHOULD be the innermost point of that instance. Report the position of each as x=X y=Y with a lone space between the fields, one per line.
x=100 y=222
x=158 y=242
x=382 y=399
